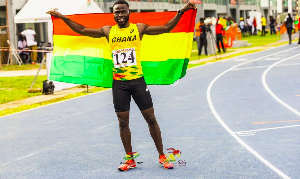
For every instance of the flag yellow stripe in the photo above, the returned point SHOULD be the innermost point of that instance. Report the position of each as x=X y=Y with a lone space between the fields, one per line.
x=81 y=45
x=154 y=48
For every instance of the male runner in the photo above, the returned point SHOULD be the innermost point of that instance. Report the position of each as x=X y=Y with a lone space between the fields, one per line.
x=128 y=77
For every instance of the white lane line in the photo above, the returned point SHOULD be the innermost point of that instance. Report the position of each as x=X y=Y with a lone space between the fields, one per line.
x=102 y=127
x=29 y=155
x=5 y=117
x=270 y=91
x=247 y=68
x=55 y=119
x=273 y=58
x=241 y=59
x=265 y=129
x=237 y=138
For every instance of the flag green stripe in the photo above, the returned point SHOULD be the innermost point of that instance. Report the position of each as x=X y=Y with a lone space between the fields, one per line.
x=96 y=71
x=82 y=70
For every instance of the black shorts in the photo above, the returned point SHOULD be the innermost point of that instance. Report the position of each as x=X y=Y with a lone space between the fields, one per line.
x=137 y=88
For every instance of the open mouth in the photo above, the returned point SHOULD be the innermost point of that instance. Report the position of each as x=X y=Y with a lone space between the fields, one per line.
x=121 y=20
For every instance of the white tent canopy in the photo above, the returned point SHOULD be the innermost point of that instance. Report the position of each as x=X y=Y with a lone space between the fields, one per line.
x=35 y=10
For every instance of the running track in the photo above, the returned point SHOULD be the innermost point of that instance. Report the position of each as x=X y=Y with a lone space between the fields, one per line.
x=237 y=118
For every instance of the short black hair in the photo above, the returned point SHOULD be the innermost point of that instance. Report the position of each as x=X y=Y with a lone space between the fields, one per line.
x=121 y=2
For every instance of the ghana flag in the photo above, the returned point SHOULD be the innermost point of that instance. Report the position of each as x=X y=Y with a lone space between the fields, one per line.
x=86 y=60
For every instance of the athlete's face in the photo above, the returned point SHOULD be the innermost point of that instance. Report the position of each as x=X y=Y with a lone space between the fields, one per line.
x=121 y=15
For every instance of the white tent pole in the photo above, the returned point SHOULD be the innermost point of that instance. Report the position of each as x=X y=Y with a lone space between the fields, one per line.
x=50 y=31
x=7 y=32
x=279 y=6
x=290 y=7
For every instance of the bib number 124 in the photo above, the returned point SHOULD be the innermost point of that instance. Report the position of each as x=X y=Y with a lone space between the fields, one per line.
x=124 y=57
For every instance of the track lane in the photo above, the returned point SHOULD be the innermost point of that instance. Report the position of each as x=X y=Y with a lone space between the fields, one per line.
x=79 y=138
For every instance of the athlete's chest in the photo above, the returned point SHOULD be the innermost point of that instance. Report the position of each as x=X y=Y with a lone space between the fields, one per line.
x=124 y=35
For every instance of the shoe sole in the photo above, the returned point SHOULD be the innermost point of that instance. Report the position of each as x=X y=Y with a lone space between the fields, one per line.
x=164 y=166
x=125 y=170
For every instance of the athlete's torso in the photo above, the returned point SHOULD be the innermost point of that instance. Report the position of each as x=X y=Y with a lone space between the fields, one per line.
x=125 y=45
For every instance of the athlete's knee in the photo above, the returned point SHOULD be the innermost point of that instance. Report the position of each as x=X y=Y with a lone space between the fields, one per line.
x=123 y=118
x=149 y=116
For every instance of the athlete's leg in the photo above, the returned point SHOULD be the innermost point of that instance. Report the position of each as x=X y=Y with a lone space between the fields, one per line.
x=142 y=98
x=125 y=133
x=121 y=99
x=153 y=129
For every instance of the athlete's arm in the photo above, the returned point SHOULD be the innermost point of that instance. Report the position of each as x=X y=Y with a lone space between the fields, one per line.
x=80 y=29
x=155 y=30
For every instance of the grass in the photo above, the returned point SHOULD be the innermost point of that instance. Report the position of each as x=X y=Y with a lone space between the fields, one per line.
x=21 y=67
x=26 y=107
x=257 y=40
x=16 y=88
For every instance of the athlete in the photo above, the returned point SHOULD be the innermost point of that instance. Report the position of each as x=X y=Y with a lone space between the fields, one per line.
x=125 y=40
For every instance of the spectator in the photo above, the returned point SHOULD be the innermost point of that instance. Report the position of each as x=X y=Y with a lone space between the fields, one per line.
x=203 y=39
x=231 y=20
x=219 y=36
x=272 y=25
x=21 y=45
x=29 y=33
x=263 y=25
x=242 y=25
x=197 y=34
x=228 y=22
x=254 y=26
x=223 y=22
x=288 y=22
x=249 y=25
x=299 y=31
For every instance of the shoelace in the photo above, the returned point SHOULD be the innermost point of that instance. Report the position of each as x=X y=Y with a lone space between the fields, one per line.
x=131 y=156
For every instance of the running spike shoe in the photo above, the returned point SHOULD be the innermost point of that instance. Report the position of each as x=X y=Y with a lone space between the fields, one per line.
x=127 y=165
x=165 y=162
x=129 y=162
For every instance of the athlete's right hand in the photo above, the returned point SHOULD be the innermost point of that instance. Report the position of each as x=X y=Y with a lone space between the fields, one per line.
x=55 y=13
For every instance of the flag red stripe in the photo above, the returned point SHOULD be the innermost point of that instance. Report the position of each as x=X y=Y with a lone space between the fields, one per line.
x=101 y=19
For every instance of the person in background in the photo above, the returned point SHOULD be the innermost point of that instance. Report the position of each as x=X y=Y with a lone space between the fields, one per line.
x=197 y=34
x=29 y=33
x=242 y=26
x=222 y=21
x=272 y=25
x=299 y=31
x=21 y=45
x=219 y=36
x=288 y=22
x=249 y=25
x=228 y=22
x=203 y=38
x=254 y=24
x=231 y=20
x=263 y=25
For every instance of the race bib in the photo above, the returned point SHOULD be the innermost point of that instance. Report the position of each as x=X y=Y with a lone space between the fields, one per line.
x=124 y=57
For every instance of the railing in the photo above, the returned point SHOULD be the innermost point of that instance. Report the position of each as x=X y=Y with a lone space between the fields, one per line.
x=274 y=2
x=285 y=4
x=248 y=2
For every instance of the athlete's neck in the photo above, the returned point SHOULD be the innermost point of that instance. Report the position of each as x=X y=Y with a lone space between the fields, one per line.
x=123 y=26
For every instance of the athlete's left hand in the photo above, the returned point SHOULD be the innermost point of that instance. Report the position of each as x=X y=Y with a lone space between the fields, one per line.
x=188 y=6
